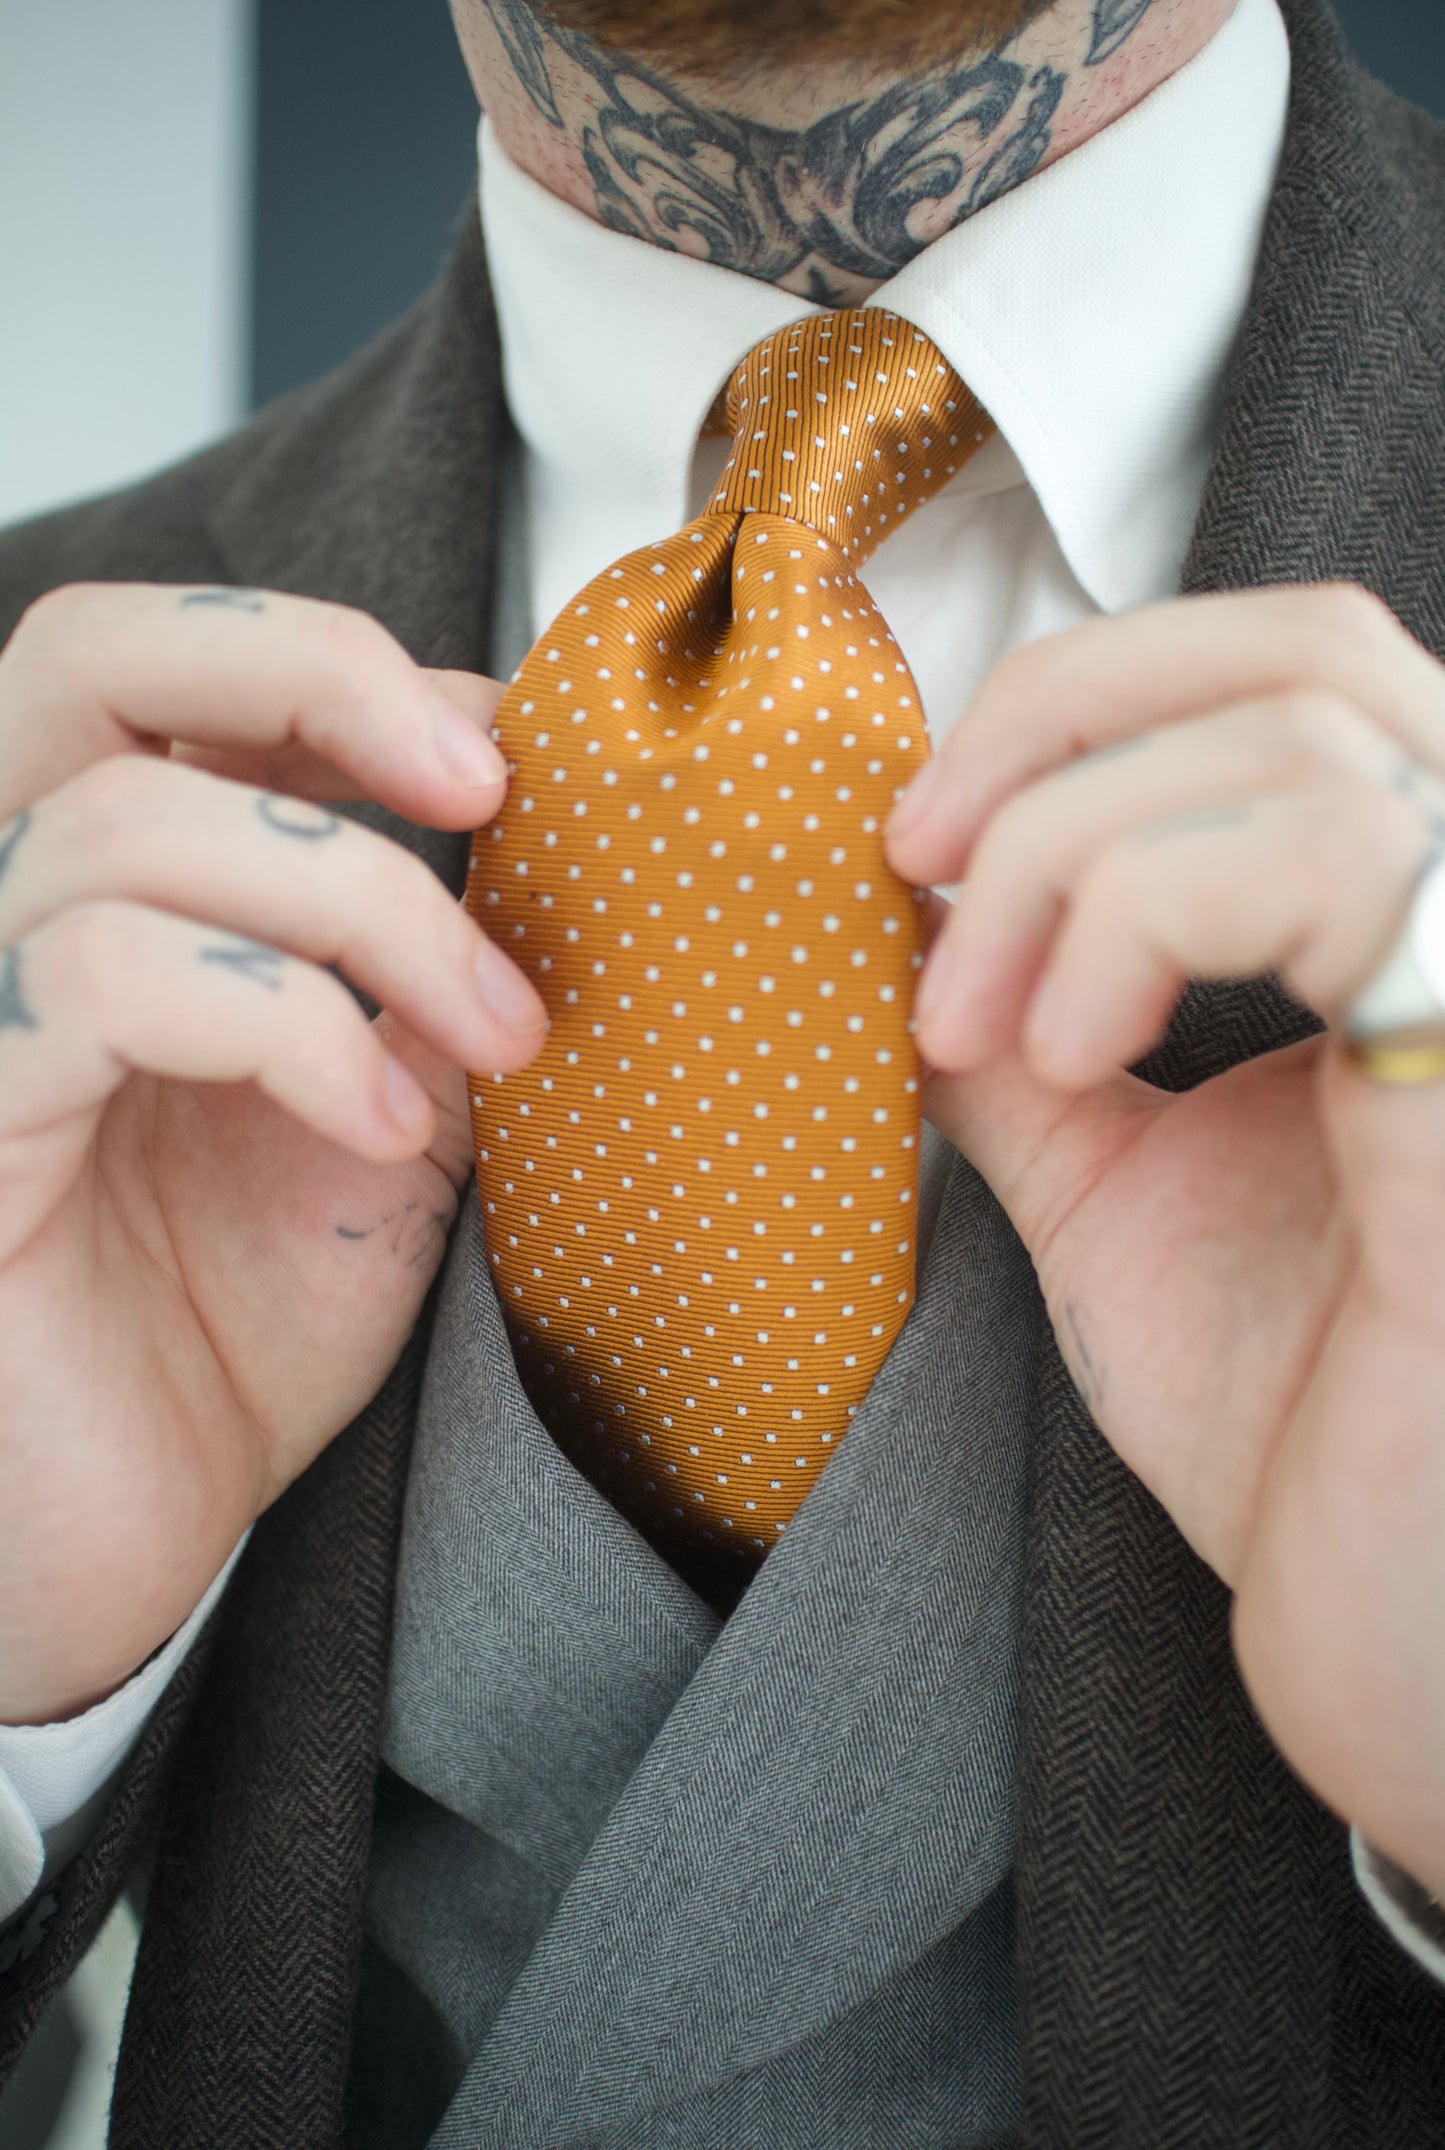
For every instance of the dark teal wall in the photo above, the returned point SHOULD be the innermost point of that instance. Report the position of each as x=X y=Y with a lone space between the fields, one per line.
x=1403 y=42
x=365 y=147
x=365 y=151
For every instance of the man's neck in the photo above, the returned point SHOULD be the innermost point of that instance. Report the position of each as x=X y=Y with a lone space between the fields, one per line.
x=819 y=177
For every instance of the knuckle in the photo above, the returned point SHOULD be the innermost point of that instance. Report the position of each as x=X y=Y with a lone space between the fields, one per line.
x=1013 y=834
x=50 y=620
x=1111 y=888
x=87 y=944
x=322 y=1006
x=1348 y=618
x=1010 y=665
x=350 y=639
x=1385 y=828
x=1310 y=725
x=114 y=789
x=1015 y=677
x=107 y=803
x=389 y=884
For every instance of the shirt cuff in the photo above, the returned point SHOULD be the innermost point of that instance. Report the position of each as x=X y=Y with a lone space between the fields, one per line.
x=56 y=1779
x=1409 y=1913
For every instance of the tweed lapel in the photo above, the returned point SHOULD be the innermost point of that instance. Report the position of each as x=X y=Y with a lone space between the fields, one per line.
x=1195 y=1966
x=833 y=1791
x=375 y=488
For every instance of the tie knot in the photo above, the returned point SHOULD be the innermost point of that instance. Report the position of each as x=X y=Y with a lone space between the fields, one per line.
x=846 y=422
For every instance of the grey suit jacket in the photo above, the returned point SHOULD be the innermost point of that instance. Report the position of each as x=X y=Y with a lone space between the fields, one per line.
x=1193 y=1964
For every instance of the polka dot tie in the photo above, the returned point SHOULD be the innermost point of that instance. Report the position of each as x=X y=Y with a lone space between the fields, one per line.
x=700 y=1200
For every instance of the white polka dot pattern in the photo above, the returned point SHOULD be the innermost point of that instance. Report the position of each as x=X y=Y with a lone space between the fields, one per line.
x=699 y=1200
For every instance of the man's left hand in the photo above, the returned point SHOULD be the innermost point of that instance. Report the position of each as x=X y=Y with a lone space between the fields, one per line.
x=1247 y=1280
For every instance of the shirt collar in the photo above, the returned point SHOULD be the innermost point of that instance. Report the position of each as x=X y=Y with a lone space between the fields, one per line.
x=1092 y=310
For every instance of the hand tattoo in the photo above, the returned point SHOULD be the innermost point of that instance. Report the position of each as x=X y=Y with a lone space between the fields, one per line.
x=1114 y=22
x=249 y=959
x=1112 y=750
x=10 y=839
x=1422 y=790
x=805 y=205
x=415 y=1231
x=14 y=1015
x=1089 y=1377
x=1197 y=821
x=228 y=600
x=293 y=817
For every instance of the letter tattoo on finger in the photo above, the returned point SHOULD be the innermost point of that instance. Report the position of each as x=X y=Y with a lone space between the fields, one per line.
x=1423 y=790
x=252 y=960
x=10 y=840
x=224 y=600
x=14 y=1014
x=294 y=817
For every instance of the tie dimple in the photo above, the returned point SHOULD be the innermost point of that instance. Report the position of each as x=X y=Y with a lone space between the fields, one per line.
x=699 y=1200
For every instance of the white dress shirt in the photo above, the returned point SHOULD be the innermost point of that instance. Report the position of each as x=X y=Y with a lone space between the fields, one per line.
x=1092 y=311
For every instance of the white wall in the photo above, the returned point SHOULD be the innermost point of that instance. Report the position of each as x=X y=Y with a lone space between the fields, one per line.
x=125 y=144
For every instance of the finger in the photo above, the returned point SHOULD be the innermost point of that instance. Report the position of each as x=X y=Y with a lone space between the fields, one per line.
x=452 y=1147
x=284 y=872
x=1112 y=679
x=113 y=988
x=1034 y=850
x=1039 y=1149
x=1314 y=888
x=303 y=773
x=97 y=669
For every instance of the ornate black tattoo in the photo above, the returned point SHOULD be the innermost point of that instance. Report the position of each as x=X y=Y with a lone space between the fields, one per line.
x=14 y=1014
x=1114 y=22
x=10 y=839
x=806 y=206
x=293 y=817
x=230 y=600
x=526 y=48
x=249 y=959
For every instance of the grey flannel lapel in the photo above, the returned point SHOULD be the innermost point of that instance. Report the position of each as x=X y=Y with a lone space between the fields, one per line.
x=833 y=1791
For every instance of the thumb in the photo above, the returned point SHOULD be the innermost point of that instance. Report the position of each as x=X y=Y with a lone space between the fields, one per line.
x=1040 y=1150
x=472 y=693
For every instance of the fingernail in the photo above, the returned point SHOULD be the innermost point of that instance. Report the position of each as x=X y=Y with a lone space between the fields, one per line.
x=506 y=994
x=465 y=747
x=940 y=971
x=914 y=804
x=405 y=1100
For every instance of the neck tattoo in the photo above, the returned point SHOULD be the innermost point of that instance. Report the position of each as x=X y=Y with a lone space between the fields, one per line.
x=823 y=210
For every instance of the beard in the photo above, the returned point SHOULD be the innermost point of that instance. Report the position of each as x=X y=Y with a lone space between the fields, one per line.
x=715 y=38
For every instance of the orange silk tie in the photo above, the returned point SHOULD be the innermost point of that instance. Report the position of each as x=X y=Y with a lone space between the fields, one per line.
x=700 y=1199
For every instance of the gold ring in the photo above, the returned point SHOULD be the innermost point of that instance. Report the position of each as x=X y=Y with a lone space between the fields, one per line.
x=1401 y=1060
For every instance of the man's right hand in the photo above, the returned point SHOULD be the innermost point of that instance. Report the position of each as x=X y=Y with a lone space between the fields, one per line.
x=223 y=1193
